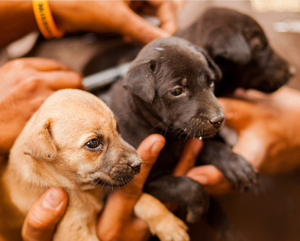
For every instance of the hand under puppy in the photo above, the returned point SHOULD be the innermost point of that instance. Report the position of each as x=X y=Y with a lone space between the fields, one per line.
x=269 y=135
x=116 y=221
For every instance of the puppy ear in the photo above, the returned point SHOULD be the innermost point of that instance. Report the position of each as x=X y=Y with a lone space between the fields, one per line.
x=139 y=80
x=211 y=63
x=213 y=66
x=233 y=48
x=39 y=143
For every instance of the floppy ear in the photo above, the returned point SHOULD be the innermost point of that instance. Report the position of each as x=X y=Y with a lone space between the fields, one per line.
x=39 y=143
x=211 y=63
x=233 y=47
x=139 y=80
x=213 y=66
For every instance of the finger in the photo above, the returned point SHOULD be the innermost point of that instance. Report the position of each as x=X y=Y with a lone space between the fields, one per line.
x=57 y=80
x=252 y=145
x=211 y=178
x=166 y=12
x=239 y=114
x=140 y=29
x=250 y=95
x=44 y=215
x=188 y=157
x=44 y=64
x=124 y=199
x=179 y=3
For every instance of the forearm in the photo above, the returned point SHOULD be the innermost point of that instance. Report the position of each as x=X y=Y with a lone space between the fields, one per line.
x=17 y=19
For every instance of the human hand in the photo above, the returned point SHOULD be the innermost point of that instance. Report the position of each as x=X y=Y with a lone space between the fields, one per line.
x=117 y=221
x=24 y=86
x=116 y=16
x=42 y=218
x=269 y=135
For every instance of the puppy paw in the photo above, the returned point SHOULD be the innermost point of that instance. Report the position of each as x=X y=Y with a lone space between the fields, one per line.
x=170 y=228
x=240 y=173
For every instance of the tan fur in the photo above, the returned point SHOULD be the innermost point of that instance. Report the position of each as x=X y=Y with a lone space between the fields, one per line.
x=51 y=151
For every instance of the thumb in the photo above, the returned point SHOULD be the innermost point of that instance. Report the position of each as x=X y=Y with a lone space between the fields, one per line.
x=140 y=29
x=44 y=215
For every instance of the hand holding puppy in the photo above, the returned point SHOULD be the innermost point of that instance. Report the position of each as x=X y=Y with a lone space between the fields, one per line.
x=24 y=86
x=269 y=135
x=116 y=222
x=96 y=16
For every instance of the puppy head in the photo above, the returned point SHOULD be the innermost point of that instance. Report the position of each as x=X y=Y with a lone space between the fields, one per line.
x=240 y=47
x=74 y=138
x=174 y=82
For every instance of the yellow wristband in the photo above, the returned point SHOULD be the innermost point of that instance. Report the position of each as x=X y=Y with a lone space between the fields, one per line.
x=44 y=19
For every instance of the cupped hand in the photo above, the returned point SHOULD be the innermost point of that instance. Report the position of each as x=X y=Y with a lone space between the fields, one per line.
x=117 y=221
x=24 y=86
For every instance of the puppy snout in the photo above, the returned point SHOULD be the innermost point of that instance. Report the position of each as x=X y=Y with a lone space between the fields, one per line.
x=217 y=120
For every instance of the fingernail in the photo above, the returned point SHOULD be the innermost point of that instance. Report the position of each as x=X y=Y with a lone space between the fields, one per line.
x=51 y=200
x=156 y=148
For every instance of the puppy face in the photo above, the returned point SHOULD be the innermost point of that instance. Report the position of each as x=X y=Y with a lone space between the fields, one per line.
x=75 y=138
x=174 y=81
x=239 y=46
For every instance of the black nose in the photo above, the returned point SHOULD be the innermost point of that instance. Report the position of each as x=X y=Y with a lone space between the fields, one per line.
x=136 y=166
x=217 y=120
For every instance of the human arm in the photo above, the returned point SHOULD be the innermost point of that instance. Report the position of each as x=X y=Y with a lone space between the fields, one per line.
x=95 y=16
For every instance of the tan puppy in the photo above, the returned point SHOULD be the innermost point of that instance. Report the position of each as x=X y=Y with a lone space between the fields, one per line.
x=72 y=142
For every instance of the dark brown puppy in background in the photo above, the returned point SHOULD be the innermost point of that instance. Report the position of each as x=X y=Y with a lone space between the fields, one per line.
x=169 y=90
x=72 y=142
x=239 y=46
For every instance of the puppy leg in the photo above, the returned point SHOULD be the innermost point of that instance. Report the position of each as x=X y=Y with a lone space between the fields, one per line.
x=160 y=220
x=181 y=190
x=239 y=172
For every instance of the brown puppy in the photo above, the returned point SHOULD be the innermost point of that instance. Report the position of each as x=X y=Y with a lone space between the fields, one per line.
x=71 y=142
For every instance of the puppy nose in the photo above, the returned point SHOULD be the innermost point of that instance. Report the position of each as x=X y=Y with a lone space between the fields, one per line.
x=217 y=120
x=135 y=165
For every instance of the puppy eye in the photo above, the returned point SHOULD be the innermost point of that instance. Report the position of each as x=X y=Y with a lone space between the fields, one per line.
x=177 y=91
x=93 y=144
x=212 y=84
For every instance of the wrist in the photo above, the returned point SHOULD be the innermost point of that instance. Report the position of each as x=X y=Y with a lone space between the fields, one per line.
x=11 y=24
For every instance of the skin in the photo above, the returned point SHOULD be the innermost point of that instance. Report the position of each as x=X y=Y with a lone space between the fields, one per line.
x=95 y=16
